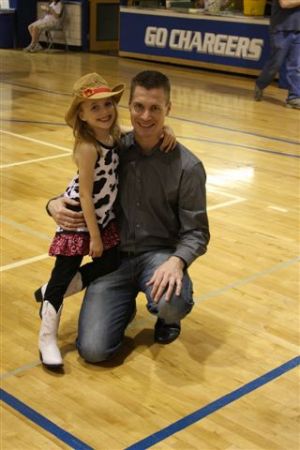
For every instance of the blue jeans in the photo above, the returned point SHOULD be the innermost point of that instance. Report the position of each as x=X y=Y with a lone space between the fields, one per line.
x=285 y=49
x=110 y=302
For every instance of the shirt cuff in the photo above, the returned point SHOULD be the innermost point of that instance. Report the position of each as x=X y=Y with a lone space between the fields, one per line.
x=183 y=260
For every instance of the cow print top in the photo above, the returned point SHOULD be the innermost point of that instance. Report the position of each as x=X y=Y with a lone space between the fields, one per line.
x=105 y=187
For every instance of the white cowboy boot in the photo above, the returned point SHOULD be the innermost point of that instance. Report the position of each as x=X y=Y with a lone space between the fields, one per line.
x=74 y=287
x=49 y=352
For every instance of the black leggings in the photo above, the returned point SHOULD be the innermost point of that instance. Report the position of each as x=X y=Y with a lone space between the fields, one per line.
x=67 y=266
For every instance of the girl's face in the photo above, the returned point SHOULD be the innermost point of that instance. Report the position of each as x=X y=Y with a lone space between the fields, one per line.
x=99 y=114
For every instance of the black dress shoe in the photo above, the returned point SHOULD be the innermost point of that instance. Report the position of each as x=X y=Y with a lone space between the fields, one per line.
x=165 y=333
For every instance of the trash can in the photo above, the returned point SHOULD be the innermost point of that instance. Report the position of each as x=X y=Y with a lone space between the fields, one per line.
x=254 y=7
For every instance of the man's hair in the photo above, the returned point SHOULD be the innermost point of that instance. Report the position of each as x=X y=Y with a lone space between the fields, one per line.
x=151 y=79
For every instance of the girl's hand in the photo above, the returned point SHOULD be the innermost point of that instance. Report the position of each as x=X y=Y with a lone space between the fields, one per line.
x=169 y=139
x=96 y=247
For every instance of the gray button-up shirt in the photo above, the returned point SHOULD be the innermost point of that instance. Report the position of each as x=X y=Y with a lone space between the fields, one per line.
x=162 y=201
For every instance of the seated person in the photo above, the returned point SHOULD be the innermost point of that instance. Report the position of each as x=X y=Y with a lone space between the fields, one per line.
x=51 y=20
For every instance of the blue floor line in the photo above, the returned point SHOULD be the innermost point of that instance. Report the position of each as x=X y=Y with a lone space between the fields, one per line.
x=214 y=406
x=159 y=436
x=44 y=423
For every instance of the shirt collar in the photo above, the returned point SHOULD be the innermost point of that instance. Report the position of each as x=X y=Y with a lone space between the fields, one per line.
x=130 y=142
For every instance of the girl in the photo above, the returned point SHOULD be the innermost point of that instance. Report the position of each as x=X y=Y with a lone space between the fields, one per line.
x=51 y=20
x=93 y=117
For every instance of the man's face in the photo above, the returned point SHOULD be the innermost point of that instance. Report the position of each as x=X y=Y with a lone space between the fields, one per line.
x=148 y=109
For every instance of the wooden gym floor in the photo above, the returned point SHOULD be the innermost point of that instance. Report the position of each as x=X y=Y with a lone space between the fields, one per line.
x=230 y=381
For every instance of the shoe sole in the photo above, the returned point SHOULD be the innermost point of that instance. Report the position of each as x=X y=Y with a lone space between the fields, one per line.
x=54 y=367
x=160 y=340
x=168 y=341
x=35 y=50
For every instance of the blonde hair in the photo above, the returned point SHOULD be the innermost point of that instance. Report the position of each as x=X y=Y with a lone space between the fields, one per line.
x=83 y=133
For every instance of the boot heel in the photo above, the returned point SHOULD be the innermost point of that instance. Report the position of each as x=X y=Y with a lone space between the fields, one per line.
x=38 y=295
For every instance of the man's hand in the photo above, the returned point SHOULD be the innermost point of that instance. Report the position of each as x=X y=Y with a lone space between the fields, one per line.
x=66 y=218
x=167 y=277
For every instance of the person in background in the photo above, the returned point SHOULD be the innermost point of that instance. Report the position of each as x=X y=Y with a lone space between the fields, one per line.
x=163 y=227
x=285 y=49
x=50 y=20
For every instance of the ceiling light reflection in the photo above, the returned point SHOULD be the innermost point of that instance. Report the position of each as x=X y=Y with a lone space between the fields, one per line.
x=229 y=176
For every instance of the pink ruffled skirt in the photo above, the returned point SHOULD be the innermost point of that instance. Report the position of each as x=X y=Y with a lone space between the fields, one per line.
x=78 y=243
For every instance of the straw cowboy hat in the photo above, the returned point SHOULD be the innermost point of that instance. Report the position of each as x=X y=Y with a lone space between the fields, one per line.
x=89 y=87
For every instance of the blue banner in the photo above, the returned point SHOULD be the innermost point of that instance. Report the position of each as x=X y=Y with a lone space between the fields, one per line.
x=232 y=43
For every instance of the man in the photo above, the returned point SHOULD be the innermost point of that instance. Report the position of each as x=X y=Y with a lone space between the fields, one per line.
x=163 y=226
x=285 y=49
